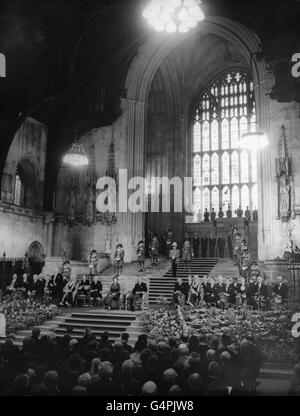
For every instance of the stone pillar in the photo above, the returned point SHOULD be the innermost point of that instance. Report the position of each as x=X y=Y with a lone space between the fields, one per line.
x=265 y=170
x=133 y=225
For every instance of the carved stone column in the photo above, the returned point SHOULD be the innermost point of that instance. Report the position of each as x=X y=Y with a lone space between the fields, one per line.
x=133 y=224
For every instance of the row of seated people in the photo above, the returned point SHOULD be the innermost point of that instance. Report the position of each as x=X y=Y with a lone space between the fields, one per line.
x=228 y=292
x=66 y=292
x=116 y=296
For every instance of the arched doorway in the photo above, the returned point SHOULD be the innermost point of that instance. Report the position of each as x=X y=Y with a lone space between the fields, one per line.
x=143 y=70
x=35 y=258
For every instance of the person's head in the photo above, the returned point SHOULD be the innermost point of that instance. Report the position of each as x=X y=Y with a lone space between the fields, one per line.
x=115 y=280
x=119 y=246
x=79 y=391
x=211 y=355
x=214 y=343
x=170 y=376
x=21 y=384
x=125 y=337
x=94 y=368
x=139 y=280
x=84 y=380
x=127 y=368
x=105 y=336
x=220 y=279
x=14 y=277
x=73 y=345
x=35 y=333
x=175 y=390
x=196 y=234
x=25 y=277
x=174 y=246
x=195 y=383
x=106 y=370
x=242 y=281
x=179 y=280
x=259 y=279
x=149 y=389
x=35 y=277
x=196 y=279
x=279 y=279
x=172 y=342
x=88 y=332
x=225 y=358
x=118 y=346
x=204 y=279
x=183 y=349
x=51 y=380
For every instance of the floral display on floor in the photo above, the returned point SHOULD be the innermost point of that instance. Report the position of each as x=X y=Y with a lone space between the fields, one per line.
x=22 y=313
x=271 y=329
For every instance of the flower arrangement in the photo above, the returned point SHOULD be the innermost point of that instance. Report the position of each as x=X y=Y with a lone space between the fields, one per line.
x=271 y=329
x=22 y=313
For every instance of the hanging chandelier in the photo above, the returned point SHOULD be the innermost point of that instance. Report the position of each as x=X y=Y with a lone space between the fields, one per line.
x=76 y=156
x=255 y=139
x=174 y=15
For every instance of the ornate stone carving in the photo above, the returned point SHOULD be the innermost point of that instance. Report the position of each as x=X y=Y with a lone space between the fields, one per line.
x=283 y=173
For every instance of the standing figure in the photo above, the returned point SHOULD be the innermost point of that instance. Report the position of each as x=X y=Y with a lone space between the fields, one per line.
x=221 y=213
x=154 y=250
x=66 y=270
x=196 y=245
x=204 y=244
x=229 y=245
x=187 y=253
x=141 y=256
x=174 y=254
x=119 y=260
x=213 y=215
x=206 y=215
x=248 y=214
x=239 y=212
x=212 y=245
x=236 y=247
x=221 y=243
x=96 y=290
x=229 y=212
x=93 y=263
x=168 y=241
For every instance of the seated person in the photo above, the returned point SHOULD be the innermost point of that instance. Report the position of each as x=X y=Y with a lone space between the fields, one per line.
x=50 y=287
x=137 y=293
x=125 y=293
x=219 y=288
x=113 y=298
x=96 y=290
x=84 y=286
x=13 y=285
x=38 y=286
x=280 y=290
x=209 y=291
x=26 y=286
x=226 y=293
x=261 y=293
x=70 y=292
x=181 y=291
x=195 y=291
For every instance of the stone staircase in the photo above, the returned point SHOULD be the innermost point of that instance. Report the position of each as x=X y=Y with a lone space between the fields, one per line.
x=162 y=286
x=224 y=267
x=113 y=322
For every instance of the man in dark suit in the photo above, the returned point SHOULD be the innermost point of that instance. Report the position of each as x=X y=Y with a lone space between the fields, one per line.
x=59 y=284
x=180 y=289
x=280 y=289
x=196 y=245
x=212 y=245
x=261 y=292
x=219 y=288
x=137 y=293
x=221 y=243
x=204 y=243
x=229 y=244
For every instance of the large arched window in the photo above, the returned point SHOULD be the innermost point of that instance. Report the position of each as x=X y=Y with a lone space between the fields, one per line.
x=223 y=173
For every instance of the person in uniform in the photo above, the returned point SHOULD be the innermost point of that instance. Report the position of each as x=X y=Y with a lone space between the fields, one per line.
x=239 y=212
x=206 y=215
x=204 y=244
x=221 y=213
x=119 y=260
x=174 y=255
x=229 y=245
x=229 y=212
x=141 y=252
x=196 y=245
x=93 y=263
x=187 y=254
x=221 y=243
x=154 y=250
x=213 y=215
x=212 y=245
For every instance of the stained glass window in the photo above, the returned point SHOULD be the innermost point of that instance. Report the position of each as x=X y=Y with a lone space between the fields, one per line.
x=225 y=168
x=235 y=172
x=235 y=198
x=245 y=201
x=225 y=198
x=215 y=169
x=215 y=199
x=206 y=169
x=226 y=110
x=244 y=167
